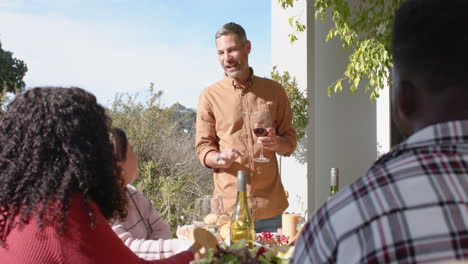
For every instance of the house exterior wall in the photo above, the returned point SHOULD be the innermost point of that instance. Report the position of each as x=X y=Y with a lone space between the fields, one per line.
x=291 y=58
x=287 y=56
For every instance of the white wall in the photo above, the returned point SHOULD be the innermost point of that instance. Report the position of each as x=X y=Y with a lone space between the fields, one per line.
x=383 y=120
x=290 y=58
x=344 y=128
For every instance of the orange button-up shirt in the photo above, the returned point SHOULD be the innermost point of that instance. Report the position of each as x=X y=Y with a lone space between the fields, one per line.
x=223 y=121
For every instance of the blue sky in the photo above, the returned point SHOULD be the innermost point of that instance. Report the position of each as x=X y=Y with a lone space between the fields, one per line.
x=114 y=46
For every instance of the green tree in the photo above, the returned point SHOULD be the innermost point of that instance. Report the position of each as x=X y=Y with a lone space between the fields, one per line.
x=363 y=26
x=170 y=174
x=299 y=104
x=12 y=72
x=185 y=117
x=297 y=99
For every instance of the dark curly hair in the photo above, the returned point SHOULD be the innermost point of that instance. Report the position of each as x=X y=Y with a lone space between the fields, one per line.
x=55 y=144
x=120 y=142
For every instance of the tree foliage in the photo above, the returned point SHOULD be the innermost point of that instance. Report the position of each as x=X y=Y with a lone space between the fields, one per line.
x=170 y=174
x=299 y=104
x=363 y=26
x=297 y=99
x=12 y=72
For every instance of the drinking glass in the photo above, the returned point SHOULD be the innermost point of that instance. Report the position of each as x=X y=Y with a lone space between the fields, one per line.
x=260 y=122
x=206 y=212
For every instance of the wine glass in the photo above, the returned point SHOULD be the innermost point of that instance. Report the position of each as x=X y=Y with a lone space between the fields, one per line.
x=260 y=122
x=206 y=212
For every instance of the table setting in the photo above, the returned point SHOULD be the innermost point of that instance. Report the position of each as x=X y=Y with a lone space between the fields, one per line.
x=209 y=215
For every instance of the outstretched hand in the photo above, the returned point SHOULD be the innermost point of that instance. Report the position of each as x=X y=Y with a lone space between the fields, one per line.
x=227 y=156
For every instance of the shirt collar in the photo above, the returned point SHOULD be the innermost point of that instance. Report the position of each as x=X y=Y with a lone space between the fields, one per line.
x=452 y=132
x=249 y=82
x=447 y=133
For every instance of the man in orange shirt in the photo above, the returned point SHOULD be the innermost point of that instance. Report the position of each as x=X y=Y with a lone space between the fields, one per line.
x=225 y=140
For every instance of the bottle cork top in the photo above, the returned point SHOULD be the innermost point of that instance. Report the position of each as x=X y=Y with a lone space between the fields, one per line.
x=241 y=181
x=334 y=176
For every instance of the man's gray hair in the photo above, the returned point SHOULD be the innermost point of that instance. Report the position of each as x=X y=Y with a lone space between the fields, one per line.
x=232 y=28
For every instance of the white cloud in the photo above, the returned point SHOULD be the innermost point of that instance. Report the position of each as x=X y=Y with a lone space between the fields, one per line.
x=105 y=59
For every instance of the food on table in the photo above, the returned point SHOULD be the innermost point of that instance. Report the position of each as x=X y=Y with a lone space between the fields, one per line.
x=285 y=253
x=185 y=232
x=224 y=231
x=221 y=232
x=271 y=239
x=239 y=253
x=223 y=219
x=210 y=219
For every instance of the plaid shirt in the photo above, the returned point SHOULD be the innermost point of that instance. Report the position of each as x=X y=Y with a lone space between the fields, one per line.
x=411 y=207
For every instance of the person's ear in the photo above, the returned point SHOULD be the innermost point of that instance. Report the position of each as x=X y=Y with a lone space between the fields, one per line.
x=248 y=46
x=408 y=103
x=408 y=106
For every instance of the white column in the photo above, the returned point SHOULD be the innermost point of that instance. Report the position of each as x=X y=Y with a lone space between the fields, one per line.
x=344 y=130
x=383 y=120
x=291 y=58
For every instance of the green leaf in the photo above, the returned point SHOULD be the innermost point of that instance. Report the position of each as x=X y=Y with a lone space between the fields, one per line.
x=290 y=21
x=239 y=244
x=292 y=38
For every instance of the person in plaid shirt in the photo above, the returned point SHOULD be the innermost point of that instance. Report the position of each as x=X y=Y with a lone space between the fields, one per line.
x=412 y=205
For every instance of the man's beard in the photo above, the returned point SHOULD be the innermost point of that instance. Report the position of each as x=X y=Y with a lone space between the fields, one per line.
x=234 y=74
x=237 y=72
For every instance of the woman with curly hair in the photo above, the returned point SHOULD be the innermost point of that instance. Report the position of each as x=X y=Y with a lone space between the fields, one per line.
x=144 y=230
x=57 y=182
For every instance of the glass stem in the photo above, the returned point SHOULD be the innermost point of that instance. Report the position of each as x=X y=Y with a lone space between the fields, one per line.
x=261 y=150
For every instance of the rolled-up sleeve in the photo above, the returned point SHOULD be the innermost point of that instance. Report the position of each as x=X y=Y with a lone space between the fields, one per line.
x=284 y=127
x=205 y=135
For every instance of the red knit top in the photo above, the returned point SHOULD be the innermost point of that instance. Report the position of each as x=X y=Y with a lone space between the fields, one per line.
x=79 y=243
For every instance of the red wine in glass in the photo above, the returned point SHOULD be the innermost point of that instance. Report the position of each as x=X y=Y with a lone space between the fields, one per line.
x=260 y=122
x=260 y=131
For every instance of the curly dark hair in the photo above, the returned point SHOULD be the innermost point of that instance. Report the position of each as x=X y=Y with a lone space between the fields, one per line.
x=120 y=142
x=55 y=144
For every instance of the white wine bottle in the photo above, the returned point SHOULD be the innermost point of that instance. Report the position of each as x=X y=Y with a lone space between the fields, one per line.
x=334 y=182
x=242 y=224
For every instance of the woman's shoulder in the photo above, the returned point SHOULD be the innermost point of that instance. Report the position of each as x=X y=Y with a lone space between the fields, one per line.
x=135 y=194
x=131 y=189
x=137 y=199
